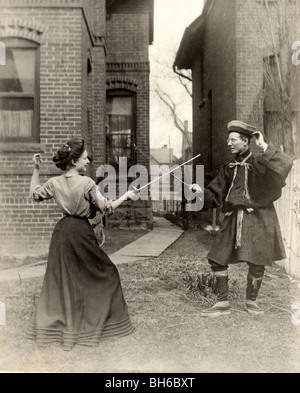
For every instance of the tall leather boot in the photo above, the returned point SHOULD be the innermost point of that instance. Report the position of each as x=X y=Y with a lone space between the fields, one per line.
x=254 y=281
x=222 y=306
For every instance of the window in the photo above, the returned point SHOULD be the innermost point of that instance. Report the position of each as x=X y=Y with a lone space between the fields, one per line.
x=120 y=126
x=19 y=92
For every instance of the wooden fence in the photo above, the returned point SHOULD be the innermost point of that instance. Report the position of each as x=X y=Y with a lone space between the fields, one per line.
x=167 y=206
x=288 y=210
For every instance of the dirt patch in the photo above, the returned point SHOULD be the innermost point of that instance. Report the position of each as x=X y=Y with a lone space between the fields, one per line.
x=170 y=335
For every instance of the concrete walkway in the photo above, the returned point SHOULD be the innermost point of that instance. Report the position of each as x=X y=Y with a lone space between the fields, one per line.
x=152 y=245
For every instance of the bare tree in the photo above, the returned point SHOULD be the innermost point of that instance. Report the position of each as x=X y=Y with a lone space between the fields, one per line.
x=164 y=92
x=277 y=24
x=167 y=100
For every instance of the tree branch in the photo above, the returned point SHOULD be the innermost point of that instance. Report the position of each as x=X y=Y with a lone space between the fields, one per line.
x=274 y=45
x=167 y=100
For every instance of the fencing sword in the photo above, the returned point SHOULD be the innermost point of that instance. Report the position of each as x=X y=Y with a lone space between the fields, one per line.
x=148 y=157
x=168 y=173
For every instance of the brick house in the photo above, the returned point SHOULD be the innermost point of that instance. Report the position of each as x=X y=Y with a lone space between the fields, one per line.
x=226 y=49
x=73 y=67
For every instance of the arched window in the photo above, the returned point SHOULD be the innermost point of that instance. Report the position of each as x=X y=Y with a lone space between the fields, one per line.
x=120 y=126
x=19 y=92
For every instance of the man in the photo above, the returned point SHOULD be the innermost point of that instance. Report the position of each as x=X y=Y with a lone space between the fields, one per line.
x=246 y=188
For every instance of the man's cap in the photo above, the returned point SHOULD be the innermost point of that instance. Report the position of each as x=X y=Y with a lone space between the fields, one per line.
x=242 y=128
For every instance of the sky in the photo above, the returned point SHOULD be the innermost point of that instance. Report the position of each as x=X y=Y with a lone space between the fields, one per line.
x=171 y=18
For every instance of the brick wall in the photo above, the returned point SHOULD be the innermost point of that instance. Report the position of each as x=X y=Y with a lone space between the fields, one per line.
x=234 y=48
x=97 y=83
x=127 y=40
x=86 y=46
x=218 y=62
x=98 y=107
x=72 y=102
x=25 y=226
x=127 y=35
x=236 y=40
x=251 y=50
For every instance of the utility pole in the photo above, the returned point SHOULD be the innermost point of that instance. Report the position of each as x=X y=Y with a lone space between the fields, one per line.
x=184 y=214
x=170 y=154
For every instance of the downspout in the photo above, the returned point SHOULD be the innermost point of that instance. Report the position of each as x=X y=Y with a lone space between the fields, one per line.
x=180 y=74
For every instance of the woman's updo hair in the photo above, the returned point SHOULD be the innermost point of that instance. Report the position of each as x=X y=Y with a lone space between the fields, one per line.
x=71 y=150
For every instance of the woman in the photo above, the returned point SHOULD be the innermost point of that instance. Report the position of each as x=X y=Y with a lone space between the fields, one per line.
x=81 y=301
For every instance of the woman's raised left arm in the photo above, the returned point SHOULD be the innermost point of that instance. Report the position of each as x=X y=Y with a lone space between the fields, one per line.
x=35 y=179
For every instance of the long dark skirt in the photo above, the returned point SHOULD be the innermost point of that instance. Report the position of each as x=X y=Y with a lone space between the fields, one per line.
x=81 y=301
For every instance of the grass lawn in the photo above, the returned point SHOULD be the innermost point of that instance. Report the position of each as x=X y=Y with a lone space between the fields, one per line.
x=170 y=336
x=119 y=238
x=115 y=239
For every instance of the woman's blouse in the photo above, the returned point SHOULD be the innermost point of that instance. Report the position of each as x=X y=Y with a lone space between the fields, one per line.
x=76 y=195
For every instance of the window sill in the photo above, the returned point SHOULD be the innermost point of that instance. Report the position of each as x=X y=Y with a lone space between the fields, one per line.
x=24 y=147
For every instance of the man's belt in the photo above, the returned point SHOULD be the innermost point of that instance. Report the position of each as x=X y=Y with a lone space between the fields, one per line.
x=239 y=224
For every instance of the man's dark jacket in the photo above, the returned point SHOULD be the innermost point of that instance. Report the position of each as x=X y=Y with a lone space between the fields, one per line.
x=261 y=240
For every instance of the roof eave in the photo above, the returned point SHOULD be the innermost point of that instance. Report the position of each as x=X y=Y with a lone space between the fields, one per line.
x=193 y=35
x=190 y=43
